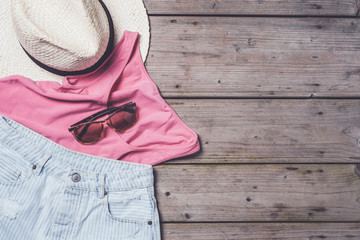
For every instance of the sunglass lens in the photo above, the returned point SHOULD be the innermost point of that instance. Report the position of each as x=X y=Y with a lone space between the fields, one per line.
x=88 y=133
x=123 y=120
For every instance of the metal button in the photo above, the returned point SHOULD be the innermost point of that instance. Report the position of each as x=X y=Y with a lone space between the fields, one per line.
x=149 y=222
x=75 y=177
x=34 y=167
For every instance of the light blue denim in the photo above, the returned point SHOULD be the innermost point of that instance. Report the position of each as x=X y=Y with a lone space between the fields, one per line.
x=50 y=192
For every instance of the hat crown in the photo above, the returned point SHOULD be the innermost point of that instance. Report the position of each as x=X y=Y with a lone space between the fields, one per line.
x=62 y=34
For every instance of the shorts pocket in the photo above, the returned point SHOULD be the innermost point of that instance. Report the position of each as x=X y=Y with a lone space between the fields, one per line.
x=130 y=206
x=14 y=168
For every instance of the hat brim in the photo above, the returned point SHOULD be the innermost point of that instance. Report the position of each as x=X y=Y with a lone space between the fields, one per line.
x=127 y=15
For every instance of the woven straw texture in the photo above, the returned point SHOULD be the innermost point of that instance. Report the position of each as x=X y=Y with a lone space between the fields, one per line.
x=126 y=15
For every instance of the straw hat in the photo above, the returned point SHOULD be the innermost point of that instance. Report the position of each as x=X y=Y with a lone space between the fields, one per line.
x=47 y=39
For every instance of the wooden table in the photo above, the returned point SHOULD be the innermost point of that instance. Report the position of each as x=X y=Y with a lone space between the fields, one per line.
x=272 y=87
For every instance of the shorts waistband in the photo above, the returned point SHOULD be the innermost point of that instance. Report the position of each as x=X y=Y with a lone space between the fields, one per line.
x=91 y=172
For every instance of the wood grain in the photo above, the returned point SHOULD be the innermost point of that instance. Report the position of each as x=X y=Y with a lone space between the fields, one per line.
x=258 y=231
x=259 y=7
x=272 y=131
x=275 y=192
x=255 y=57
x=217 y=194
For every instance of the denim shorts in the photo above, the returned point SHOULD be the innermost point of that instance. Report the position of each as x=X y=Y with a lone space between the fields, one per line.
x=50 y=192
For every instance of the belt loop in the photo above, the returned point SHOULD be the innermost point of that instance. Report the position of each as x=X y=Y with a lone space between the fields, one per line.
x=101 y=185
x=37 y=168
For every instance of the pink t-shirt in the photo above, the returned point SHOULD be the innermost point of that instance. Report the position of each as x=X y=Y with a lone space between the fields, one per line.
x=50 y=108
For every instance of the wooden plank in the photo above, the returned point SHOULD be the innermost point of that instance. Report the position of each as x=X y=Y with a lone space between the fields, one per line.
x=255 y=57
x=269 y=131
x=259 y=7
x=257 y=231
x=267 y=192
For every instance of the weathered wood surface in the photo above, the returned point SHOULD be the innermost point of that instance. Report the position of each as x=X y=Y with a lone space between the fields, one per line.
x=257 y=7
x=208 y=54
x=277 y=192
x=255 y=57
x=272 y=131
x=265 y=231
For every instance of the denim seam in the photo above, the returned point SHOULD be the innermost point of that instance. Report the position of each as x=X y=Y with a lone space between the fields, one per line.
x=18 y=182
x=74 y=223
x=124 y=220
x=95 y=190
x=56 y=213
x=151 y=198
x=107 y=173
x=3 y=142
x=47 y=141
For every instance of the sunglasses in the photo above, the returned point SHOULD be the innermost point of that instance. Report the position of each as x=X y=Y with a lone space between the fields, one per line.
x=122 y=118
